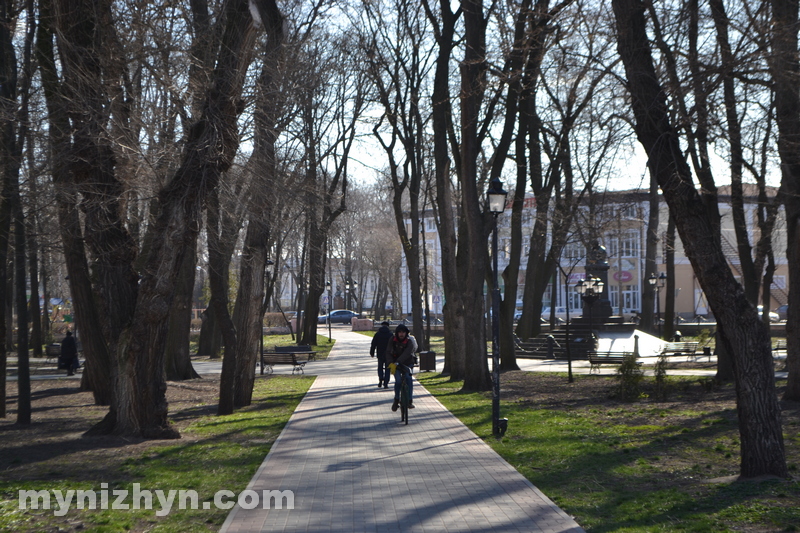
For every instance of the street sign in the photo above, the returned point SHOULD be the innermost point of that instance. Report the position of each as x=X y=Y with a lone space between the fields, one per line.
x=623 y=276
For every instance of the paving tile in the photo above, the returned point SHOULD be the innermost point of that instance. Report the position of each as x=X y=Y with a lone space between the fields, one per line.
x=354 y=467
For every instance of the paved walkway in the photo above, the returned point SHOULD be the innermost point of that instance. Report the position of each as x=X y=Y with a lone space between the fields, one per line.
x=352 y=465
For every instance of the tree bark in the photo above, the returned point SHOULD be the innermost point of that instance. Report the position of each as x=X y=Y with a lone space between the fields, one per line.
x=762 y=448
x=98 y=376
x=210 y=336
x=669 y=292
x=454 y=328
x=249 y=312
x=648 y=314
x=785 y=68
x=20 y=279
x=178 y=364
x=35 y=310
x=210 y=149
x=217 y=265
x=473 y=241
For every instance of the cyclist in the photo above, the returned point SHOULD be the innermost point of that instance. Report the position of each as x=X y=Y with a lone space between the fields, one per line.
x=400 y=357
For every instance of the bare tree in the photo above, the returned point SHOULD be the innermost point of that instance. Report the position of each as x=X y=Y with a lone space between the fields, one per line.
x=330 y=112
x=398 y=62
x=743 y=333
x=784 y=67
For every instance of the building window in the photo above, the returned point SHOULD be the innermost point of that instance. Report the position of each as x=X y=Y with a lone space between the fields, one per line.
x=612 y=246
x=630 y=297
x=574 y=299
x=430 y=224
x=573 y=252
x=629 y=244
x=628 y=211
x=613 y=297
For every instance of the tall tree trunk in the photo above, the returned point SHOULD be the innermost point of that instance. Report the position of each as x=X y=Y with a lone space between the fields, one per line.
x=474 y=240
x=785 y=69
x=749 y=272
x=217 y=262
x=8 y=104
x=454 y=327
x=45 y=316
x=669 y=292
x=762 y=448
x=247 y=314
x=250 y=300
x=516 y=62
x=35 y=310
x=178 y=365
x=210 y=150
x=20 y=280
x=210 y=335
x=651 y=264
x=98 y=375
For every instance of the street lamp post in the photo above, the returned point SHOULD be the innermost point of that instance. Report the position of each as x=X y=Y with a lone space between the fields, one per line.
x=497 y=204
x=330 y=306
x=658 y=283
x=590 y=291
x=347 y=294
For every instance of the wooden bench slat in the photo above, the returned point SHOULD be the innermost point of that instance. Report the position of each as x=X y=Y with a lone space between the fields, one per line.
x=297 y=348
x=297 y=359
x=679 y=348
x=605 y=358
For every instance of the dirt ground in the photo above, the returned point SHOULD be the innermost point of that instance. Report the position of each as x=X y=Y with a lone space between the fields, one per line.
x=51 y=447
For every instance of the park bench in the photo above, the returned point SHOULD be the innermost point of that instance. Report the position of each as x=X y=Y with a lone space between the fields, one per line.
x=780 y=348
x=297 y=348
x=297 y=356
x=678 y=348
x=605 y=358
x=52 y=351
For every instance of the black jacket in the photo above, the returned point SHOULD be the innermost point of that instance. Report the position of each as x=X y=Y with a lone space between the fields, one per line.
x=69 y=348
x=380 y=341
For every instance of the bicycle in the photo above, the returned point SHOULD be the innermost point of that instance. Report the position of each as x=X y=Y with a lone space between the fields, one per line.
x=405 y=400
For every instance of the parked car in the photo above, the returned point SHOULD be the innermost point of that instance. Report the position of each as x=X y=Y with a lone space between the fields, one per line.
x=773 y=316
x=782 y=311
x=338 y=316
x=561 y=314
x=435 y=320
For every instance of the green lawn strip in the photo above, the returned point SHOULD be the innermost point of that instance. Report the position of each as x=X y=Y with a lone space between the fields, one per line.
x=619 y=470
x=216 y=453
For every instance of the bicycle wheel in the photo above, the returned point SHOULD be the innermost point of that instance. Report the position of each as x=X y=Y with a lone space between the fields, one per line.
x=404 y=401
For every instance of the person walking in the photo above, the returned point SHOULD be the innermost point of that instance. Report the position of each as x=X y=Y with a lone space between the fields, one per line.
x=400 y=356
x=378 y=346
x=69 y=353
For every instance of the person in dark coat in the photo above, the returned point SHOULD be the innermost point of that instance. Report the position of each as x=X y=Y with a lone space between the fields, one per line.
x=379 y=343
x=400 y=357
x=69 y=353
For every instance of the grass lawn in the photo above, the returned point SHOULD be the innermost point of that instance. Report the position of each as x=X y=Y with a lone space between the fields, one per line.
x=644 y=466
x=215 y=453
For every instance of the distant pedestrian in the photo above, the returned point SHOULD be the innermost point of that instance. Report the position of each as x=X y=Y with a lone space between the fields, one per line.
x=69 y=354
x=379 y=343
